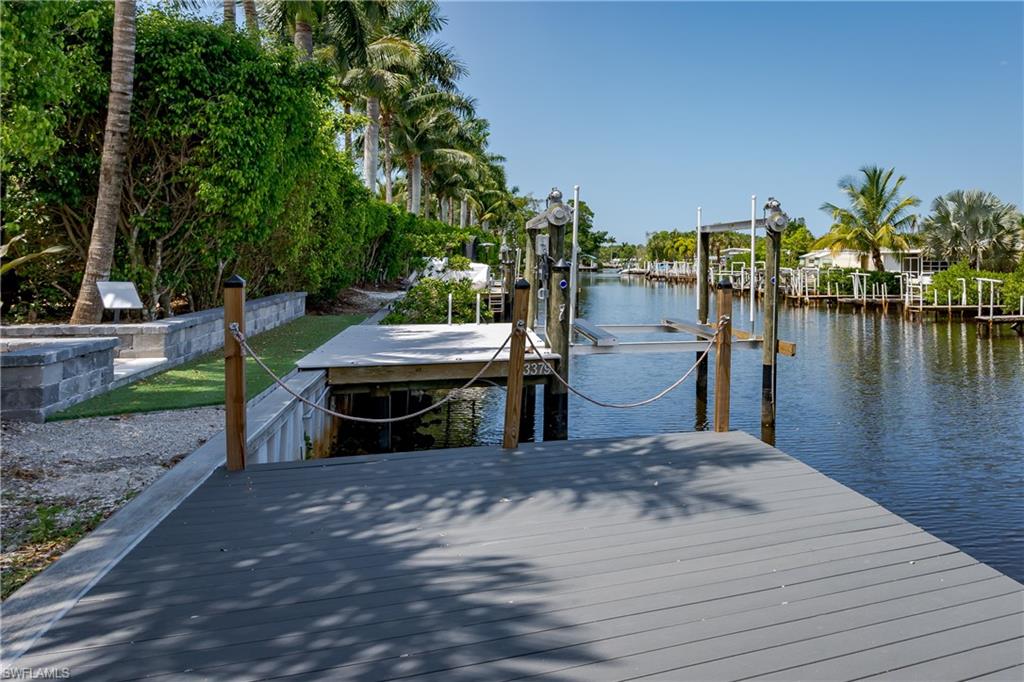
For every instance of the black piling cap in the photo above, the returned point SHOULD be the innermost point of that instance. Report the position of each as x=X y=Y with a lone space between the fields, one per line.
x=234 y=282
x=522 y=284
x=725 y=284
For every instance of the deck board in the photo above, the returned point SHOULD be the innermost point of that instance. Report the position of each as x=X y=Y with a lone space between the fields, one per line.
x=680 y=556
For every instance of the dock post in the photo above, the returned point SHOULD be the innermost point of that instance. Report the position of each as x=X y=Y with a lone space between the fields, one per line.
x=516 y=360
x=703 y=245
x=556 y=396
x=234 y=374
x=773 y=243
x=723 y=355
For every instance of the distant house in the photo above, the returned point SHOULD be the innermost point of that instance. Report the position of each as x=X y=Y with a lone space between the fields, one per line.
x=911 y=261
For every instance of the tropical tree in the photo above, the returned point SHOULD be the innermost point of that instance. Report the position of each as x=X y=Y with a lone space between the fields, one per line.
x=252 y=21
x=428 y=130
x=89 y=307
x=975 y=226
x=229 y=13
x=876 y=218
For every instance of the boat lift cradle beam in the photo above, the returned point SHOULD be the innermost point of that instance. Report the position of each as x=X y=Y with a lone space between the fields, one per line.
x=603 y=339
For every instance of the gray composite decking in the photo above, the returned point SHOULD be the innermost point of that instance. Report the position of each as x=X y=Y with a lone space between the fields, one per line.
x=677 y=557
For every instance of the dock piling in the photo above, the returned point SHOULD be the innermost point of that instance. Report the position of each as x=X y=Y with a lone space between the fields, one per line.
x=234 y=374
x=723 y=355
x=773 y=247
x=516 y=360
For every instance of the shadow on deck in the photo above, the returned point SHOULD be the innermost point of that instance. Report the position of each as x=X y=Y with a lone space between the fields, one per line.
x=567 y=560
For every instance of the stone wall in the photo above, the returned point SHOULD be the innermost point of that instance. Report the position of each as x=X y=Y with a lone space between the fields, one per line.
x=41 y=376
x=177 y=339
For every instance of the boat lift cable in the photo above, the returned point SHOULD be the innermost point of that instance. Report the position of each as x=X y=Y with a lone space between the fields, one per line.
x=240 y=337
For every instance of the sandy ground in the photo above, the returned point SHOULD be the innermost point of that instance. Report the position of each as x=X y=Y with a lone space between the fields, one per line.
x=60 y=479
x=362 y=300
x=80 y=471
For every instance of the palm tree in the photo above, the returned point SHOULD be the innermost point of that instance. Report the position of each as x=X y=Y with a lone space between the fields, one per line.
x=100 y=259
x=875 y=219
x=252 y=22
x=975 y=226
x=425 y=126
x=229 y=13
x=295 y=19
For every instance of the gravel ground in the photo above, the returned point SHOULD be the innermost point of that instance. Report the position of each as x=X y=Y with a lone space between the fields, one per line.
x=60 y=479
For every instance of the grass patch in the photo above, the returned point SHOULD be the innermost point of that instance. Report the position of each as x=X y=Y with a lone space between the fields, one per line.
x=200 y=383
x=47 y=541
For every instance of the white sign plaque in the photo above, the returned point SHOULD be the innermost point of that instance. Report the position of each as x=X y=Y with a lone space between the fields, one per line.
x=119 y=295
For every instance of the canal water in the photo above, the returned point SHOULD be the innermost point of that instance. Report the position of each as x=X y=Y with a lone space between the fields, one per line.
x=924 y=418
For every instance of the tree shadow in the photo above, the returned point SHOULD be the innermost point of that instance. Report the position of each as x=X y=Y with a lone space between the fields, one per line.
x=468 y=564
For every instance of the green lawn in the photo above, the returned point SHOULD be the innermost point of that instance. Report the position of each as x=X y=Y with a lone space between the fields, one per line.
x=201 y=381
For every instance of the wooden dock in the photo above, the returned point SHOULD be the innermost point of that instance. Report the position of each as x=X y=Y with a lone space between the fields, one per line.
x=697 y=556
x=988 y=323
x=416 y=354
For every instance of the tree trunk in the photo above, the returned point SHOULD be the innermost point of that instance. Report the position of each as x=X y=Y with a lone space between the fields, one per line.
x=252 y=21
x=371 y=144
x=428 y=207
x=464 y=213
x=89 y=307
x=876 y=255
x=229 y=13
x=385 y=129
x=415 y=188
x=304 y=39
x=347 y=106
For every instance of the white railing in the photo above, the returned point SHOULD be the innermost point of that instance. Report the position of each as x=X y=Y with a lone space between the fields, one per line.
x=281 y=428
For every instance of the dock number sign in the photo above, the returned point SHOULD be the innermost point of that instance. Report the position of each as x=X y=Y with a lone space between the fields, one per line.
x=536 y=369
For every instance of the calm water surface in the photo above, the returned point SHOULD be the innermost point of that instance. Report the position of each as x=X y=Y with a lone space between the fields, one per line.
x=925 y=419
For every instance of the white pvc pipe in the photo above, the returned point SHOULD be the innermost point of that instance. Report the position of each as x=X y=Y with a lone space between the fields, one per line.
x=753 y=268
x=449 y=308
x=699 y=256
x=478 y=308
x=574 y=265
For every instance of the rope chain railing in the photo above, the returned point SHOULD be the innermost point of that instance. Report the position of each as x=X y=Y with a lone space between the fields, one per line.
x=240 y=337
x=247 y=349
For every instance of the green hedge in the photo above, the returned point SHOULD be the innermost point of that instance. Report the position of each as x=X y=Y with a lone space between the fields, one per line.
x=946 y=283
x=234 y=165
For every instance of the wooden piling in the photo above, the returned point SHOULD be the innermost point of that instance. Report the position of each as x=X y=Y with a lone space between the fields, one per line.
x=773 y=243
x=234 y=374
x=516 y=360
x=723 y=355
x=556 y=396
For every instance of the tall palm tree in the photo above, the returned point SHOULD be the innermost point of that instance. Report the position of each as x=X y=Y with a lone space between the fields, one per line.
x=425 y=126
x=295 y=19
x=875 y=219
x=100 y=259
x=975 y=226
x=229 y=13
x=252 y=21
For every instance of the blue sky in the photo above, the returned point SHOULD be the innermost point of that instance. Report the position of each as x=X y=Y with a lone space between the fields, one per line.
x=656 y=108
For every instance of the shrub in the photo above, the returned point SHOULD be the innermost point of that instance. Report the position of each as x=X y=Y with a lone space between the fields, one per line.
x=945 y=284
x=427 y=303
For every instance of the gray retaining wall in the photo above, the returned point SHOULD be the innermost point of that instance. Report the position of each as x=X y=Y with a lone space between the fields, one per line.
x=178 y=338
x=41 y=376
